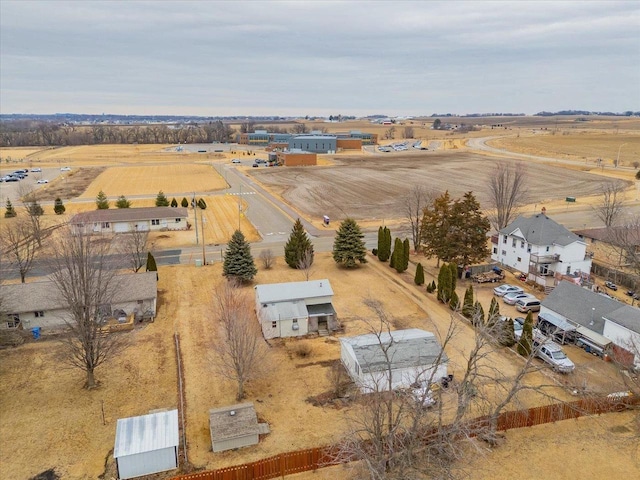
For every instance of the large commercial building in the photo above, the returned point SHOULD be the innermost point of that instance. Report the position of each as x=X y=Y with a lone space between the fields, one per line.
x=315 y=141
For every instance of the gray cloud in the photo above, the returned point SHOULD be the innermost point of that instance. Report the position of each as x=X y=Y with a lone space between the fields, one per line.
x=399 y=58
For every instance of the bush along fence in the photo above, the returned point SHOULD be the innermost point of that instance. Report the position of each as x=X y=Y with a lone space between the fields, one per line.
x=314 y=458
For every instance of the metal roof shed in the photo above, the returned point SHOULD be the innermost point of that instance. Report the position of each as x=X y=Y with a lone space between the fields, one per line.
x=146 y=444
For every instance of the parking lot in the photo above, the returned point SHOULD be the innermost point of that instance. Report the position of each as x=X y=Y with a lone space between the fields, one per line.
x=12 y=190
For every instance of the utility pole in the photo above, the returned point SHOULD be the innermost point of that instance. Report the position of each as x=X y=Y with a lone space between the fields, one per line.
x=202 y=219
x=195 y=215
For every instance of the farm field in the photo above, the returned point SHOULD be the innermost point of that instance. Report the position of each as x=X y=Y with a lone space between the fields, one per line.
x=346 y=189
x=173 y=179
x=143 y=377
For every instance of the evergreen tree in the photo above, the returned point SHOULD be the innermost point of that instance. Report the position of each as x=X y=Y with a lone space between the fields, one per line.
x=58 y=207
x=380 y=239
x=122 y=202
x=419 y=278
x=184 y=203
x=151 y=264
x=494 y=313
x=525 y=345
x=398 y=256
x=348 y=247
x=297 y=246
x=507 y=334
x=435 y=229
x=454 y=303
x=161 y=200
x=468 y=234
x=454 y=275
x=433 y=286
x=102 y=203
x=387 y=242
x=238 y=261
x=444 y=284
x=467 y=303
x=10 y=212
x=478 y=314
x=202 y=204
x=34 y=208
x=406 y=251
x=384 y=244
x=174 y=203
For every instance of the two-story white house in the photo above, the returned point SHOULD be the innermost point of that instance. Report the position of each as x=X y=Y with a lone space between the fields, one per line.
x=543 y=249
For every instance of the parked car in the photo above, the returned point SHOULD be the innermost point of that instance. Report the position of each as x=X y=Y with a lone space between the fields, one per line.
x=12 y=179
x=43 y=180
x=37 y=169
x=518 y=326
x=611 y=286
x=504 y=289
x=255 y=165
x=65 y=169
x=553 y=354
x=526 y=305
x=512 y=297
x=260 y=160
x=236 y=160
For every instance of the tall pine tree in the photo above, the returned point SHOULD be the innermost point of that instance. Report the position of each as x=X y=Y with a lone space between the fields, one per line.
x=151 y=264
x=348 y=246
x=525 y=345
x=406 y=251
x=467 y=303
x=10 y=212
x=419 y=278
x=398 y=256
x=238 y=261
x=58 y=206
x=298 y=246
x=102 y=203
x=444 y=284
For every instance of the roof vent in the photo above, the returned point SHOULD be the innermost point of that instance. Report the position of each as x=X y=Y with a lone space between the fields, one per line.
x=232 y=413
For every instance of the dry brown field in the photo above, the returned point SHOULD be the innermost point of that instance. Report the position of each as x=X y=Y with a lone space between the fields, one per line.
x=48 y=403
x=367 y=187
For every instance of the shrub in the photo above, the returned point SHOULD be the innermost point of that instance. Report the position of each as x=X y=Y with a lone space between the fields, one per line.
x=302 y=350
x=174 y=203
x=184 y=203
x=419 y=278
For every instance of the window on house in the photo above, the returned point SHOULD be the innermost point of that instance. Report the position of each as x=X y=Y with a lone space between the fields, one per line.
x=155 y=221
x=568 y=269
x=274 y=324
x=519 y=259
x=522 y=244
x=547 y=248
x=495 y=250
x=140 y=302
x=295 y=321
x=13 y=320
x=177 y=220
x=544 y=269
x=105 y=224
x=504 y=252
x=504 y=240
x=39 y=314
x=357 y=369
x=513 y=242
x=529 y=248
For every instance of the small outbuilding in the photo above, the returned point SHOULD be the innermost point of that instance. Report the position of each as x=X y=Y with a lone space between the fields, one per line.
x=234 y=427
x=147 y=444
x=296 y=308
x=412 y=356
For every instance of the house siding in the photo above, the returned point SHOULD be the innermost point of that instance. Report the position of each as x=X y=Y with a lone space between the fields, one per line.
x=623 y=337
x=146 y=463
x=233 y=443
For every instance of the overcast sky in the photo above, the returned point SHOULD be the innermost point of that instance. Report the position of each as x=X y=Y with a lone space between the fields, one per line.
x=318 y=57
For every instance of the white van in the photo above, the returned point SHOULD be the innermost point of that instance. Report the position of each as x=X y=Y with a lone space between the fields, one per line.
x=526 y=305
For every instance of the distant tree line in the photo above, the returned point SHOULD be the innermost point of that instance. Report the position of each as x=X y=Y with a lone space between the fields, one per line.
x=18 y=133
x=628 y=113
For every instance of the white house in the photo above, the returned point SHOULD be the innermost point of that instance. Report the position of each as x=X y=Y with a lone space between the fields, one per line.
x=622 y=326
x=123 y=220
x=294 y=309
x=38 y=304
x=412 y=356
x=147 y=444
x=543 y=249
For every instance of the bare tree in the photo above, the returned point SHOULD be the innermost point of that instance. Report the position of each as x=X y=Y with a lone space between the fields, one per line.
x=267 y=258
x=299 y=128
x=33 y=209
x=133 y=247
x=18 y=243
x=240 y=353
x=612 y=203
x=390 y=133
x=85 y=282
x=305 y=263
x=507 y=193
x=413 y=205
x=625 y=240
x=407 y=132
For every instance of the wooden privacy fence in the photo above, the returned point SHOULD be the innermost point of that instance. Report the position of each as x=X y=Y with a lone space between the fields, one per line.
x=319 y=457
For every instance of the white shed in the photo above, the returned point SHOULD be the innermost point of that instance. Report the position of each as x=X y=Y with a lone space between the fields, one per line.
x=415 y=356
x=147 y=444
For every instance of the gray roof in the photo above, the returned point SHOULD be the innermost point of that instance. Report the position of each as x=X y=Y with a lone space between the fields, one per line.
x=409 y=348
x=627 y=316
x=286 y=292
x=580 y=305
x=224 y=426
x=129 y=214
x=315 y=137
x=43 y=295
x=541 y=230
x=627 y=234
x=146 y=433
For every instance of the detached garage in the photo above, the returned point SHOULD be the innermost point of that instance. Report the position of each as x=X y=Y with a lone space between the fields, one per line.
x=146 y=444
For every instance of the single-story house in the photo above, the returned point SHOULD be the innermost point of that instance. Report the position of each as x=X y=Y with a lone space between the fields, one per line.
x=615 y=246
x=123 y=220
x=38 y=304
x=414 y=356
x=147 y=444
x=296 y=308
x=235 y=426
x=603 y=325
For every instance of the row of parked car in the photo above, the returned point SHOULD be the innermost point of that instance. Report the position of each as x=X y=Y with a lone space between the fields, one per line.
x=15 y=176
x=514 y=295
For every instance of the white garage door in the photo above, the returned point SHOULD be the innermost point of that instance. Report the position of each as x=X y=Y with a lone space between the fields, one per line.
x=121 y=227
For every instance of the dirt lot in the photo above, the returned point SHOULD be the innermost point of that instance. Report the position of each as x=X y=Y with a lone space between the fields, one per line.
x=144 y=377
x=346 y=189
